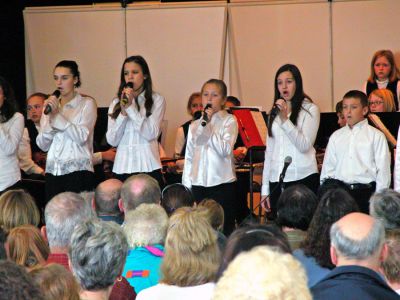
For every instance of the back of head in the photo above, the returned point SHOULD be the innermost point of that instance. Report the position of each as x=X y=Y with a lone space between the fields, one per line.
x=175 y=196
x=246 y=238
x=55 y=282
x=214 y=213
x=106 y=196
x=296 y=207
x=139 y=189
x=191 y=250
x=145 y=226
x=15 y=283
x=331 y=184
x=278 y=276
x=17 y=207
x=27 y=247
x=97 y=254
x=62 y=214
x=391 y=266
x=385 y=206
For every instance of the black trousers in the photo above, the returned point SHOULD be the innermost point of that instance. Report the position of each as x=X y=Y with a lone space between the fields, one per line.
x=311 y=181
x=362 y=194
x=156 y=174
x=78 y=181
x=224 y=194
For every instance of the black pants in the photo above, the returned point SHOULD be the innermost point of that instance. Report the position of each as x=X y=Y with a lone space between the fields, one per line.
x=156 y=174
x=224 y=194
x=362 y=195
x=77 y=182
x=311 y=181
x=242 y=210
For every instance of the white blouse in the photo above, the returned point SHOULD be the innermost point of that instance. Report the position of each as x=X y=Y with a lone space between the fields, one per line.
x=209 y=151
x=136 y=136
x=10 y=136
x=292 y=140
x=68 y=137
x=26 y=162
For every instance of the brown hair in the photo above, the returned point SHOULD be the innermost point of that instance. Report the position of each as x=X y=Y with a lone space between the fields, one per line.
x=391 y=266
x=17 y=207
x=190 y=101
x=27 y=247
x=387 y=97
x=394 y=72
x=214 y=213
x=56 y=282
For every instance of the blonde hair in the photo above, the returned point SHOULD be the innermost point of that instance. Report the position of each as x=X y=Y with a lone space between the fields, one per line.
x=17 y=207
x=191 y=251
x=394 y=72
x=387 y=97
x=391 y=266
x=279 y=276
x=55 y=282
x=27 y=247
x=214 y=213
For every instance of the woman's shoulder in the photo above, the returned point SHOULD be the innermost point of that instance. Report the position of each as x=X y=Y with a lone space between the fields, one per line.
x=309 y=105
x=87 y=99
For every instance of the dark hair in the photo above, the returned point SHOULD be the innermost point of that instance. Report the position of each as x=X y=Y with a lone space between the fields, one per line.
x=174 y=196
x=296 y=207
x=3 y=239
x=339 y=107
x=9 y=107
x=333 y=205
x=73 y=67
x=298 y=96
x=235 y=101
x=38 y=94
x=220 y=83
x=331 y=184
x=148 y=85
x=246 y=238
x=357 y=95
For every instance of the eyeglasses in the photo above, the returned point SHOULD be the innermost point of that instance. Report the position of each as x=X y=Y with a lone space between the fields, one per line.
x=379 y=102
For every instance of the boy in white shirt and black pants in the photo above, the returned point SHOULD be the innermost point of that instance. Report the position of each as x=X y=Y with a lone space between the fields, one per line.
x=358 y=154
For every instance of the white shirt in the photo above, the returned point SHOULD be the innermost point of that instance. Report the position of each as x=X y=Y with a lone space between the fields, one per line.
x=173 y=292
x=396 y=175
x=382 y=85
x=136 y=136
x=10 y=136
x=68 y=137
x=292 y=140
x=25 y=155
x=209 y=151
x=358 y=155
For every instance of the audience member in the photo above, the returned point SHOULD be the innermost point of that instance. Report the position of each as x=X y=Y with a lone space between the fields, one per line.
x=139 y=189
x=314 y=251
x=381 y=100
x=105 y=202
x=357 y=249
x=191 y=259
x=145 y=228
x=296 y=207
x=17 y=207
x=97 y=255
x=26 y=247
x=3 y=237
x=175 y=196
x=385 y=206
x=391 y=265
x=15 y=283
x=279 y=276
x=55 y=282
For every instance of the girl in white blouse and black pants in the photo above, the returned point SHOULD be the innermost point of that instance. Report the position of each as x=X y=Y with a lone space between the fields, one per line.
x=209 y=168
x=291 y=132
x=67 y=134
x=134 y=123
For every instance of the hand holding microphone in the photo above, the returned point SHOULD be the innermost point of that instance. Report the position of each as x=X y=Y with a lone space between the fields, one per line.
x=52 y=103
x=126 y=99
x=206 y=117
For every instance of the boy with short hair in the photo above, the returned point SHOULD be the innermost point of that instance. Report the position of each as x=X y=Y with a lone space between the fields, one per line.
x=358 y=154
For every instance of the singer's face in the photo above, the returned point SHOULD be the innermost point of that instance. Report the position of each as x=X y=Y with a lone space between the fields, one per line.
x=286 y=85
x=382 y=68
x=197 y=105
x=65 y=80
x=353 y=111
x=134 y=73
x=211 y=94
x=35 y=108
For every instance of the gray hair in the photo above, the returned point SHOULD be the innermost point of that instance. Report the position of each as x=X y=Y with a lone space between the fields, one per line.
x=385 y=206
x=97 y=253
x=139 y=189
x=146 y=225
x=107 y=199
x=358 y=249
x=62 y=214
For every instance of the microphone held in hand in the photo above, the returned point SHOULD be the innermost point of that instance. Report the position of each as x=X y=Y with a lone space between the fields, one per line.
x=205 y=116
x=275 y=110
x=124 y=99
x=286 y=164
x=47 y=109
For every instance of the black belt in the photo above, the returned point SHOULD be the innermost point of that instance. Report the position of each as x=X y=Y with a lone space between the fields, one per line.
x=361 y=186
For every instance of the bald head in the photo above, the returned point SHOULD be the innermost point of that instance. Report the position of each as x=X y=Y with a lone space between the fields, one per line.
x=357 y=236
x=106 y=196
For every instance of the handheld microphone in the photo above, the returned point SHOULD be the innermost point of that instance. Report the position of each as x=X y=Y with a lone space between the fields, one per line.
x=197 y=115
x=287 y=162
x=124 y=99
x=275 y=110
x=205 y=116
x=47 y=109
